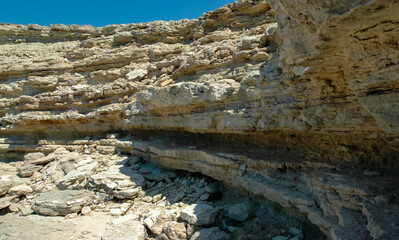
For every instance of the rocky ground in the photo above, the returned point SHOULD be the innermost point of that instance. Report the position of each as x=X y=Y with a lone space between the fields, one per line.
x=78 y=195
x=295 y=102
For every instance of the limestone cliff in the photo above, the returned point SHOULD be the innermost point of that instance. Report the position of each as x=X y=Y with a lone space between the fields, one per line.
x=291 y=100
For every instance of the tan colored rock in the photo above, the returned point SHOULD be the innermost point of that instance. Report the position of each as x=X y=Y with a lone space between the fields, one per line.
x=314 y=80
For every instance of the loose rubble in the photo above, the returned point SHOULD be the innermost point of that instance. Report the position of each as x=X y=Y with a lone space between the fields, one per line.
x=134 y=199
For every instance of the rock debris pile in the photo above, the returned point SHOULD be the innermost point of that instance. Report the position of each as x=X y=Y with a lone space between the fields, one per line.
x=133 y=200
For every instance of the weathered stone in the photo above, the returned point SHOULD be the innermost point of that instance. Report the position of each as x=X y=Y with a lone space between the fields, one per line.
x=175 y=230
x=210 y=233
x=241 y=211
x=127 y=193
x=6 y=201
x=5 y=184
x=30 y=157
x=61 y=203
x=117 y=177
x=85 y=210
x=198 y=214
x=20 y=190
x=77 y=176
x=131 y=230
x=28 y=169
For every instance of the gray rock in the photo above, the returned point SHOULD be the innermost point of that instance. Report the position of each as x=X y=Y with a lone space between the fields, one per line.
x=8 y=182
x=6 y=201
x=28 y=158
x=210 y=233
x=130 y=230
x=296 y=232
x=127 y=193
x=240 y=212
x=199 y=214
x=28 y=169
x=116 y=177
x=212 y=188
x=5 y=184
x=76 y=177
x=44 y=160
x=20 y=190
x=157 y=174
x=175 y=230
x=61 y=203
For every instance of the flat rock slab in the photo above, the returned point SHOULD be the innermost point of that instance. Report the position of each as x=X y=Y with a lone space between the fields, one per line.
x=199 y=214
x=61 y=203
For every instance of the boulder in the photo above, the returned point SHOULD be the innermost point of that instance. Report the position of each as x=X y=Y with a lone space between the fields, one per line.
x=199 y=214
x=62 y=203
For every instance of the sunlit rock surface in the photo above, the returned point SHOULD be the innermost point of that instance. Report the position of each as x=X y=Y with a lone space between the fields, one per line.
x=296 y=102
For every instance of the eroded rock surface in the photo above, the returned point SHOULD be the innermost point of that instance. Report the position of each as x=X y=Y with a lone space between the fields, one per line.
x=292 y=101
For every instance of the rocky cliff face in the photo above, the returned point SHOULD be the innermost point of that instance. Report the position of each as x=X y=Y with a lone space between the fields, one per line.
x=294 y=101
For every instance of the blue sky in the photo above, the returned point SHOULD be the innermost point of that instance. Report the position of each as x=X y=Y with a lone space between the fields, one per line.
x=100 y=12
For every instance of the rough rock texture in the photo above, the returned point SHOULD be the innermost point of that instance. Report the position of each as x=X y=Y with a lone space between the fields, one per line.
x=61 y=203
x=294 y=101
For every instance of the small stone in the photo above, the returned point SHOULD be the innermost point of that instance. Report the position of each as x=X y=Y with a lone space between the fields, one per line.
x=147 y=199
x=175 y=230
x=156 y=198
x=204 y=197
x=371 y=173
x=36 y=177
x=5 y=184
x=127 y=193
x=28 y=169
x=20 y=190
x=6 y=201
x=25 y=211
x=115 y=211
x=71 y=216
x=240 y=212
x=210 y=233
x=62 y=203
x=297 y=233
x=212 y=188
x=33 y=156
x=199 y=214
x=14 y=207
x=86 y=210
